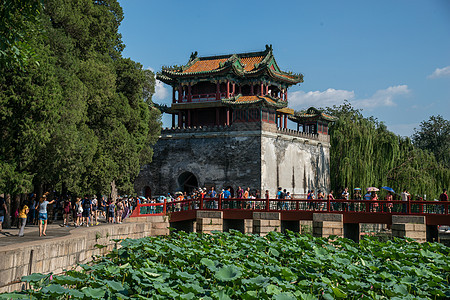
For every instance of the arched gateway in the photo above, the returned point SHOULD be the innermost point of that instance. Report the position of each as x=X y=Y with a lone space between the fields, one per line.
x=187 y=182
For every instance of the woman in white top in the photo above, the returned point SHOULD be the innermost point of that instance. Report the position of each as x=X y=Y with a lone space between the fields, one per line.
x=42 y=206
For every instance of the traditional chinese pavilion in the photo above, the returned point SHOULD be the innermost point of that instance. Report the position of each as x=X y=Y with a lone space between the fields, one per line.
x=230 y=128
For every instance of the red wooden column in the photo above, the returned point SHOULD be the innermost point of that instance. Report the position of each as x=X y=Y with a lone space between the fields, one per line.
x=174 y=100
x=228 y=117
x=285 y=95
x=180 y=93
x=180 y=120
x=267 y=89
x=234 y=89
x=262 y=89
x=217 y=90
x=189 y=118
x=285 y=121
x=252 y=92
x=173 y=120
x=189 y=96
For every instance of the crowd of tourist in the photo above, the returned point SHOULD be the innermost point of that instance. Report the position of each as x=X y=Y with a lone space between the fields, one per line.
x=76 y=211
x=89 y=211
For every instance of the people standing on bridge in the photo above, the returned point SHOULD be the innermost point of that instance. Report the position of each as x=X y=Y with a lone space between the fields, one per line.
x=320 y=196
x=443 y=197
x=280 y=195
x=389 y=199
x=23 y=211
x=404 y=195
x=345 y=196
x=43 y=202
x=374 y=197
x=310 y=196
x=330 y=198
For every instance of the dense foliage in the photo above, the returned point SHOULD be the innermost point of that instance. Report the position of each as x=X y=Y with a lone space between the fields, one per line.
x=434 y=136
x=237 y=266
x=81 y=118
x=364 y=153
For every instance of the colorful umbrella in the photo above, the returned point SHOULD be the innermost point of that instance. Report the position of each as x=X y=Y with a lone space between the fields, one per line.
x=372 y=189
x=388 y=189
x=357 y=189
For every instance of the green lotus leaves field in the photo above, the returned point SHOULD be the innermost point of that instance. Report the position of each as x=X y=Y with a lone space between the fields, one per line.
x=237 y=266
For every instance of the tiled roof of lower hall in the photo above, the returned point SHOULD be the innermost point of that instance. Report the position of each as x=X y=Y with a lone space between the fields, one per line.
x=247 y=100
x=312 y=113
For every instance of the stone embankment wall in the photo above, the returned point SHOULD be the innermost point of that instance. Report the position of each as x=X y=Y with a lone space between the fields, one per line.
x=64 y=253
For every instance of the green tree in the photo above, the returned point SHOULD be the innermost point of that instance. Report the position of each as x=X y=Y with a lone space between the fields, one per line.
x=434 y=136
x=18 y=23
x=83 y=118
x=364 y=153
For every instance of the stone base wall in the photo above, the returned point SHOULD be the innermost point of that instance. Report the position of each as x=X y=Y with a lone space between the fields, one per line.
x=208 y=221
x=410 y=226
x=64 y=253
x=325 y=225
x=265 y=222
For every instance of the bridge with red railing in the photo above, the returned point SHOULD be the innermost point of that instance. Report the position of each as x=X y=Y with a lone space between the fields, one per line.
x=353 y=211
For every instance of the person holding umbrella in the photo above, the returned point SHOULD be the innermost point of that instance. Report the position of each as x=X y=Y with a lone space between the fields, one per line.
x=389 y=197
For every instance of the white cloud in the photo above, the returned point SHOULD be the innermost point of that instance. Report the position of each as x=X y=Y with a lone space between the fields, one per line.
x=440 y=73
x=383 y=97
x=330 y=97
x=161 y=92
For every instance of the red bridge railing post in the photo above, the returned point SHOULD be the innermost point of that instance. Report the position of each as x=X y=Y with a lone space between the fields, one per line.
x=165 y=206
x=201 y=203
x=409 y=207
x=267 y=204
x=296 y=205
x=220 y=203
x=328 y=204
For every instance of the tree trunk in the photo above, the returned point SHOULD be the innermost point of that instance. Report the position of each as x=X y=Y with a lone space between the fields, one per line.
x=113 y=194
x=7 y=221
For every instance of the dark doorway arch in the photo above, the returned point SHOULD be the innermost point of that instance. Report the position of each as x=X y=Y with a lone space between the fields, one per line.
x=147 y=192
x=187 y=182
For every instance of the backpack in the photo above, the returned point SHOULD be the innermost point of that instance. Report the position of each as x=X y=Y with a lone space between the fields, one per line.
x=86 y=204
x=79 y=209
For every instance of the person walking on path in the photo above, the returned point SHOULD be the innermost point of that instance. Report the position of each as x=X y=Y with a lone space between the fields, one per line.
x=3 y=211
x=66 y=210
x=87 y=208
x=43 y=202
x=23 y=211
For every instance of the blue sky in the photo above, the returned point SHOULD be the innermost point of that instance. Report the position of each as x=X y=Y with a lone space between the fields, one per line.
x=390 y=58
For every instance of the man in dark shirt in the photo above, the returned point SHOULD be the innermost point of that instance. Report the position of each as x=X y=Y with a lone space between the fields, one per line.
x=443 y=197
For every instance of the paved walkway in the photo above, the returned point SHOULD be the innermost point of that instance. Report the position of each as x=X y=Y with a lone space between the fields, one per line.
x=31 y=233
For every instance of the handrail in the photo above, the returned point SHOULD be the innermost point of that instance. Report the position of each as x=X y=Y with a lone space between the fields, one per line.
x=301 y=205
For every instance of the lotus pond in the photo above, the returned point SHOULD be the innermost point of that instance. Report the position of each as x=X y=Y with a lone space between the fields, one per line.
x=237 y=266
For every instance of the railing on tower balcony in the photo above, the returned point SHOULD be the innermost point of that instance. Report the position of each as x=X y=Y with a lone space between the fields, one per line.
x=203 y=97
x=300 y=205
